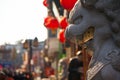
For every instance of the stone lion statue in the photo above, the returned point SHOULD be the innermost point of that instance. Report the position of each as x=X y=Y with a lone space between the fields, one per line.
x=103 y=16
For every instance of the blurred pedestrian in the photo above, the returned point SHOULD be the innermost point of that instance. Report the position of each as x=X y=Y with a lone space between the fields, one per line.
x=75 y=68
x=2 y=75
x=49 y=71
x=64 y=68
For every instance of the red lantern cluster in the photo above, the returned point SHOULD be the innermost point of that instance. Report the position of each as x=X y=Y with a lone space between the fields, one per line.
x=51 y=22
x=67 y=4
x=62 y=36
x=63 y=23
x=45 y=3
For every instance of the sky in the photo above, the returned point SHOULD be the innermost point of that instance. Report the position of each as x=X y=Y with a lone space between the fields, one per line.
x=22 y=19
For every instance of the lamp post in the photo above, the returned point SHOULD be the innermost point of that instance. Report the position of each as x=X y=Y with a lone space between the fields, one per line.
x=28 y=44
x=30 y=55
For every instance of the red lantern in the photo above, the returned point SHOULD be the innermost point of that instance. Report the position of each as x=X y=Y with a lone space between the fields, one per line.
x=51 y=22
x=45 y=3
x=67 y=4
x=63 y=23
x=62 y=36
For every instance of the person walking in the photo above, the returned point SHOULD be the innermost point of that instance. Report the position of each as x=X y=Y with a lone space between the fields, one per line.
x=75 y=67
x=64 y=68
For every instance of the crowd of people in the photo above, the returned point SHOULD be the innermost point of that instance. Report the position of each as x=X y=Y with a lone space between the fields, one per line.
x=6 y=74
x=71 y=69
x=19 y=74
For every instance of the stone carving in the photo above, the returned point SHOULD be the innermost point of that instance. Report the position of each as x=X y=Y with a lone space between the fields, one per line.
x=103 y=16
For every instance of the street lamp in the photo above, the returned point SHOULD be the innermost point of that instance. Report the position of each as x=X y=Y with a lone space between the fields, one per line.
x=28 y=44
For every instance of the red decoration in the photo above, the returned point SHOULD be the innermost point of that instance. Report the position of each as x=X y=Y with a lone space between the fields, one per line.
x=49 y=71
x=67 y=4
x=63 y=23
x=62 y=36
x=51 y=22
x=45 y=3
